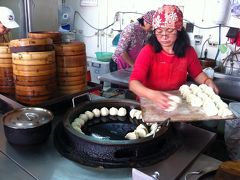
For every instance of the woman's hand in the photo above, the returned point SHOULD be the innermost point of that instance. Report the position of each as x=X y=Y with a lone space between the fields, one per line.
x=160 y=98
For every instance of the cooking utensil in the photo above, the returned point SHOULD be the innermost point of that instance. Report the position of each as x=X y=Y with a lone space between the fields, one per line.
x=160 y=125
x=27 y=126
x=104 y=143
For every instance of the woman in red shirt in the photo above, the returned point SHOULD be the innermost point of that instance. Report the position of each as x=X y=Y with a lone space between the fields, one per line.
x=164 y=63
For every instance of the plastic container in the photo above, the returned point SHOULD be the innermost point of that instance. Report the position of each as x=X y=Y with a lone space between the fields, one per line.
x=104 y=56
x=98 y=68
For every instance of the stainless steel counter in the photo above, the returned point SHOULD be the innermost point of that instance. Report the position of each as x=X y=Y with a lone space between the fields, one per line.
x=45 y=163
x=120 y=77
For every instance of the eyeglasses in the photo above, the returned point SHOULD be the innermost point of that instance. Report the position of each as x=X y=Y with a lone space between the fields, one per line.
x=162 y=32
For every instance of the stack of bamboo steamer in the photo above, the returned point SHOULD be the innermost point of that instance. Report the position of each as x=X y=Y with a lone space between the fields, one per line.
x=34 y=70
x=6 y=72
x=55 y=36
x=71 y=67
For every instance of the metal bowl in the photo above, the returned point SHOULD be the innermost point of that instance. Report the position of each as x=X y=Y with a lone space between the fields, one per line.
x=27 y=126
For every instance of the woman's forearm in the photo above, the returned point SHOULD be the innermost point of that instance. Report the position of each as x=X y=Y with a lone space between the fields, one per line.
x=127 y=58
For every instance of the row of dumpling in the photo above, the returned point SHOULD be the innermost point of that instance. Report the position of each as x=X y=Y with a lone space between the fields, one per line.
x=88 y=115
x=142 y=131
x=204 y=96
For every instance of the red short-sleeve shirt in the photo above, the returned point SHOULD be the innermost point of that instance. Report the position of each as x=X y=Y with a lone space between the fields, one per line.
x=163 y=71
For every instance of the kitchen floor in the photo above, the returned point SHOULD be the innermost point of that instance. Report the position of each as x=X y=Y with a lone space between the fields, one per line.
x=216 y=150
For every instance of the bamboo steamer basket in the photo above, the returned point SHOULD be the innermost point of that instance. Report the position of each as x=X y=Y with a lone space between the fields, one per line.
x=6 y=72
x=31 y=45
x=70 y=49
x=34 y=72
x=55 y=36
x=71 y=67
x=30 y=42
x=71 y=61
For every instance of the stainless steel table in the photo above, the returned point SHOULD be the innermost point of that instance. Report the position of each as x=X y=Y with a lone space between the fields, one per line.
x=44 y=162
x=119 y=77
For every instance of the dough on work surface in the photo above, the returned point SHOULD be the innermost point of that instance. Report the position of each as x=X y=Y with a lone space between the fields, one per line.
x=221 y=105
x=122 y=111
x=209 y=108
x=202 y=95
x=176 y=99
x=209 y=91
x=172 y=106
x=193 y=86
x=184 y=87
x=196 y=102
x=104 y=111
x=113 y=111
x=224 y=112
x=189 y=97
x=202 y=86
x=96 y=112
x=186 y=93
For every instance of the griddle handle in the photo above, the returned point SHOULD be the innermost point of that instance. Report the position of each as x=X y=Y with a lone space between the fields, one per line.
x=80 y=96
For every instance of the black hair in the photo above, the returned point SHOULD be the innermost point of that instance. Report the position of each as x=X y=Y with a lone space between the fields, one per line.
x=180 y=45
x=141 y=21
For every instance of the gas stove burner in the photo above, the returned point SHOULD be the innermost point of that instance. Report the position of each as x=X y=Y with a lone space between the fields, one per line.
x=140 y=154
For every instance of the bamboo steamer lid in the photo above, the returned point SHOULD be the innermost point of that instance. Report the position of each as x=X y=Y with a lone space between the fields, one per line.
x=33 y=58
x=70 y=49
x=30 y=42
x=55 y=36
x=71 y=61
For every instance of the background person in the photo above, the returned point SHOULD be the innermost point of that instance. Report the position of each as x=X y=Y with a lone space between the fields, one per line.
x=132 y=39
x=7 y=22
x=164 y=63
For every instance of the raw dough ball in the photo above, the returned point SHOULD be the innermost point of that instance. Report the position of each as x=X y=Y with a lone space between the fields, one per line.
x=224 y=112
x=196 y=102
x=131 y=136
x=186 y=93
x=79 y=121
x=104 y=111
x=83 y=117
x=132 y=113
x=122 y=111
x=176 y=99
x=89 y=114
x=196 y=91
x=141 y=132
x=113 y=111
x=193 y=86
x=202 y=95
x=209 y=108
x=190 y=97
x=172 y=106
x=96 y=112
x=216 y=98
x=141 y=126
x=183 y=88
x=138 y=114
x=202 y=86
x=209 y=91
x=221 y=105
